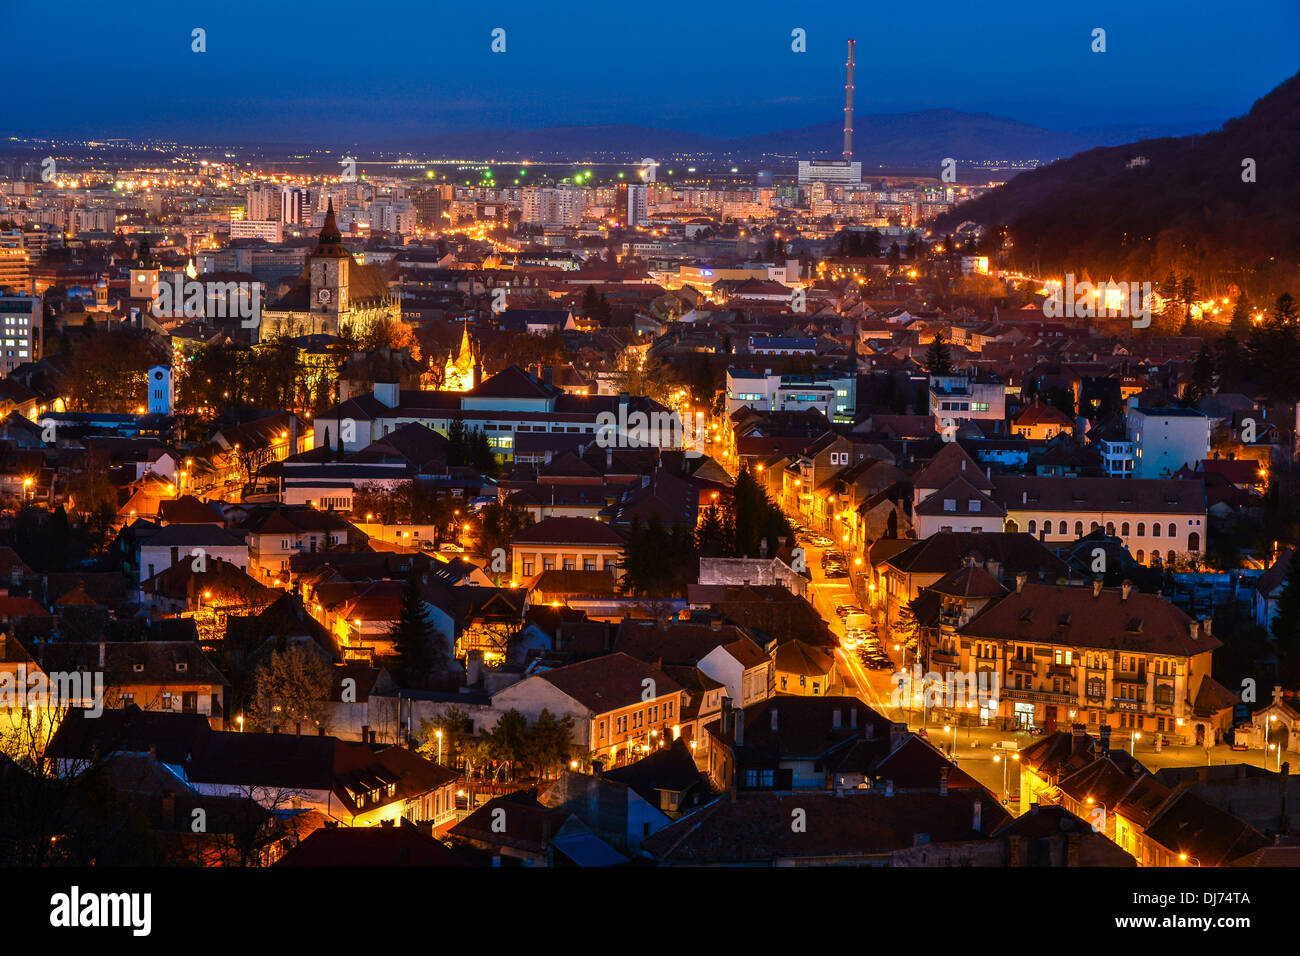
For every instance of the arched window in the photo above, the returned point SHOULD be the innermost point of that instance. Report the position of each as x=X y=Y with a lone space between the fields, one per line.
x=1169 y=558
x=1110 y=528
x=1094 y=527
x=1141 y=556
x=1173 y=530
x=1063 y=528
x=1142 y=529
x=1123 y=529
x=1078 y=528
x=1033 y=526
x=1194 y=542
x=1010 y=527
x=1155 y=529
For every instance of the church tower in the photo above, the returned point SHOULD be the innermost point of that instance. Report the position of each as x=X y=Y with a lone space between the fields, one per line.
x=144 y=272
x=459 y=376
x=329 y=276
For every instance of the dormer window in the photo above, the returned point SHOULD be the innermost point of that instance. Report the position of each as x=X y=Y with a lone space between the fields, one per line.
x=974 y=505
x=137 y=668
x=182 y=667
x=949 y=504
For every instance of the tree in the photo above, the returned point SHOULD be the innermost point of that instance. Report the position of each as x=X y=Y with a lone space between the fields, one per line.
x=500 y=522
x=1205 y=379
x=419 y=647
x=938 y=360
x=509 y=740
x=457 y=729
x=292 y=688
x=550 y=741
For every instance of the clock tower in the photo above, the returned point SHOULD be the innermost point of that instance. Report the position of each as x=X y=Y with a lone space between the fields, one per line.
x=329 y=278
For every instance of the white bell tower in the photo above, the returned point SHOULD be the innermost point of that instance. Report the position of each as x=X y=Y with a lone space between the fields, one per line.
x=162 y=390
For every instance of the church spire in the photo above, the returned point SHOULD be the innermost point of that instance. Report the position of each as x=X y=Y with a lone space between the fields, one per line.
x=330 y=242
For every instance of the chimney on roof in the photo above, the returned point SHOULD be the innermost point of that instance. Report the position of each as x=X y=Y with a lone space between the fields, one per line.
x=726 y=714
x=1125 y=590
x=1096 y=586
x=103 y=653
x=943 y=781
x=738 y=715
x=1194 y=628
x=1103 y=737
x=1078 y=734
x=1206 y=622
x=1020 y=582
x=977 y=815
x=1024 y=497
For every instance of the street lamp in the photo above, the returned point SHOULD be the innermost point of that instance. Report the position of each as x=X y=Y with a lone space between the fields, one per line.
x=953 y=728
x=240 y=718
x=1132 y=744
x=438 y=734
x=997 y=758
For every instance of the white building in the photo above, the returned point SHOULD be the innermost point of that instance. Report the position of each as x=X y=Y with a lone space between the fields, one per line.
x=544 y=206
x=837 y=171
x=1166 y=439
x=162 y=390
x=833 y=394
x=295 y=205
x=638 y=205
x=956 y=398
x=269 y=229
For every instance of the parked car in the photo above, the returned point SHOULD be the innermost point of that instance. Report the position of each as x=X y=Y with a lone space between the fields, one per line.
x=820 y=541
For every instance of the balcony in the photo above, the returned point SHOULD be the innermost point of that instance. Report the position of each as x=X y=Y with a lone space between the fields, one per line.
x=1037 y=696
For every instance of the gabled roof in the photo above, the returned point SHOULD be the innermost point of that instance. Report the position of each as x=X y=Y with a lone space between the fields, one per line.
x=188 y=509
x=607 y=683
x=1105 y=618
x=370 y=847
x=951 y=462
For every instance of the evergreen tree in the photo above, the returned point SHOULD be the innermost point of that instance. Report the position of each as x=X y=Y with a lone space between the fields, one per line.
x=1286 y=626
x=938 y=360
x=710 y=536
x=419 y=648
x=1204 y=376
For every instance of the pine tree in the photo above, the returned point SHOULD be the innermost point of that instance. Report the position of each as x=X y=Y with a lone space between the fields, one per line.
x=419 y=648
x=1204 y=375
x=938 y=360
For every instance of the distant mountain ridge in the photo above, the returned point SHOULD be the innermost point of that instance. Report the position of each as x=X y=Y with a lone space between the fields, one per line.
x=922 y=138
x=1144 y=209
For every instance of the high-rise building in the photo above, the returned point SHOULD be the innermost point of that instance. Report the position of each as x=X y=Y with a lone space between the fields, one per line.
x=544 y=206
x=295 y=205
x=258 y=203
x=428 y=207
x=638 y=205
x=15 y=269
x=20 y=316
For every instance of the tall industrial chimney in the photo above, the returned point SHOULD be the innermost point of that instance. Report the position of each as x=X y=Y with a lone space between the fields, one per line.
x=848 y=106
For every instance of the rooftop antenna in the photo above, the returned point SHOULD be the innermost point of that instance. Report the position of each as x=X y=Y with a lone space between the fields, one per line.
x=848 y=105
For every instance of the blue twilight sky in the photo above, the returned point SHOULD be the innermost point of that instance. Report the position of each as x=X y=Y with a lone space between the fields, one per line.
x=325 y=70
